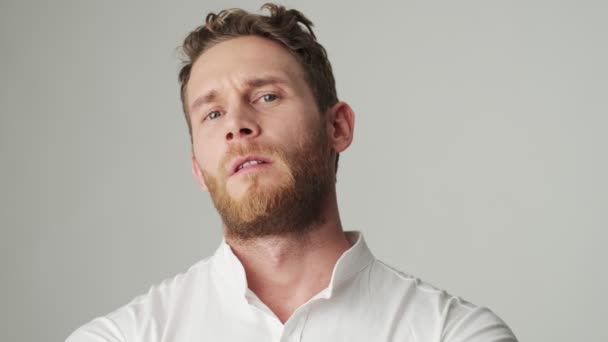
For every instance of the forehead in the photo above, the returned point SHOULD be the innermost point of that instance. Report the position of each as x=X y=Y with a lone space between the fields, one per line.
x=243 y=58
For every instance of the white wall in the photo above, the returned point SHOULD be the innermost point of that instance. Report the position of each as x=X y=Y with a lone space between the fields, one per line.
x=479 y=161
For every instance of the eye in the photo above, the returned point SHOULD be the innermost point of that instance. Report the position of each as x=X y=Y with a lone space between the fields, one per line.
x=268 y=97
x=213 y=115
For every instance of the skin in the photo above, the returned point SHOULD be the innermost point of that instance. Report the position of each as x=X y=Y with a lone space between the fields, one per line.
x=284 y=271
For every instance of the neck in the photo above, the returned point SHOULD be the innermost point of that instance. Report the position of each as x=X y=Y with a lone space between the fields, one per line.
x=286 y=271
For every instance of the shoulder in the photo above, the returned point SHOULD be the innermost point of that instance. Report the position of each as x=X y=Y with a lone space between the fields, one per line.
x=433 y=313
x=146 y=314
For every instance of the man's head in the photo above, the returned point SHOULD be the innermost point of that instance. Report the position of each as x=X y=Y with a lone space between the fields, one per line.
x=260 y=89
x=290 y=28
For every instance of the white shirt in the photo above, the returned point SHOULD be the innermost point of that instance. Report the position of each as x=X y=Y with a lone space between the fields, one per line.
x=366 y=300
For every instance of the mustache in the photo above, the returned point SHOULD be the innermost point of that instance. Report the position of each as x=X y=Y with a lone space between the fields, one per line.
x=242 y=150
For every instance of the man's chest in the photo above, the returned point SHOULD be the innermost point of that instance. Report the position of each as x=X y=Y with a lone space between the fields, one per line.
x=312 y=323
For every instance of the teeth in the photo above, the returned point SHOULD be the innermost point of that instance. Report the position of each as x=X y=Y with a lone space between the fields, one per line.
x=249 y=163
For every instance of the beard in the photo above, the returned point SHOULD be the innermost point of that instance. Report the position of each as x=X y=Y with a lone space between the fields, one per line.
x=291 y=203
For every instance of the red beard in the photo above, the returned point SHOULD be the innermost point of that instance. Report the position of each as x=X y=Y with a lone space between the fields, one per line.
x=291 y=202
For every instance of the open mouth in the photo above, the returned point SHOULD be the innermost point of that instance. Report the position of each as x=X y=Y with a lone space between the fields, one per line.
x=248 y=163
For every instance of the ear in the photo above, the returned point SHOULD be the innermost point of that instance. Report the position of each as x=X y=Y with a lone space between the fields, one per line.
x=198 y=174
x=341 y=126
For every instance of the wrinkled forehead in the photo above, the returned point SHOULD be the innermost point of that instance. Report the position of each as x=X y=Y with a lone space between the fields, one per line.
x=238 y=60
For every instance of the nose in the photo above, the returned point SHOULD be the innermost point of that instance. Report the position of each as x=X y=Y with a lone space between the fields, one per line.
x=241 y=124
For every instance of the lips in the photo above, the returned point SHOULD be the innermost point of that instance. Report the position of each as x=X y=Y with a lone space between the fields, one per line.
x=248 y=161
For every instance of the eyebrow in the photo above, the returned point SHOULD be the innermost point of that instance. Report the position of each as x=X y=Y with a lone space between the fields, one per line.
x=251 y=83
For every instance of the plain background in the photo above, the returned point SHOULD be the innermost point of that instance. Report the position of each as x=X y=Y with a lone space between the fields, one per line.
x=479 y=162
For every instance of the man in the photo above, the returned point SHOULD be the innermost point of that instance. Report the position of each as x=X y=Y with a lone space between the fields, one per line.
x=266 y=128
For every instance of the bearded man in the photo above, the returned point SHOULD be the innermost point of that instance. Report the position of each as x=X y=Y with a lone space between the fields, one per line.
x=267 y=128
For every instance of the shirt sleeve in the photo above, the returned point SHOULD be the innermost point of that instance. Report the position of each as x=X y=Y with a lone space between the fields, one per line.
x=101 y=329
x=477 y=324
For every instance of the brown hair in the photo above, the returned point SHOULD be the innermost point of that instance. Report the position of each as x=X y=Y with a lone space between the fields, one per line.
x=290 y=28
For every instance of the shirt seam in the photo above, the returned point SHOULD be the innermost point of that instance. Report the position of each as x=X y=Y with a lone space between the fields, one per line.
x=405 y=276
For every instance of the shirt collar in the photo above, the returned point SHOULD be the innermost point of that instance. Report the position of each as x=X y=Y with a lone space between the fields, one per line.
x=351 y=262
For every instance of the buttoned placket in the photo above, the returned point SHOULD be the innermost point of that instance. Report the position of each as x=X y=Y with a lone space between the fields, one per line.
x=256 y=304
x=292 y=330
x=295 y=325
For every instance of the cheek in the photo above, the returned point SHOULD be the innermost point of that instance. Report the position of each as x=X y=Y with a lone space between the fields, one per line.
x=301 y=132
x=207 y=158
x=294 y=129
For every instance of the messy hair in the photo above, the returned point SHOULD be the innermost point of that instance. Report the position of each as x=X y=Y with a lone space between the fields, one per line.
x=290 y=28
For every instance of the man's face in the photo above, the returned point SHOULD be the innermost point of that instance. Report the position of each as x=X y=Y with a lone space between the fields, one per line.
x=260 y=145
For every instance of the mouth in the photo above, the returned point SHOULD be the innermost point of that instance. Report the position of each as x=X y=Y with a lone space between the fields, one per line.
x=246 y=163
